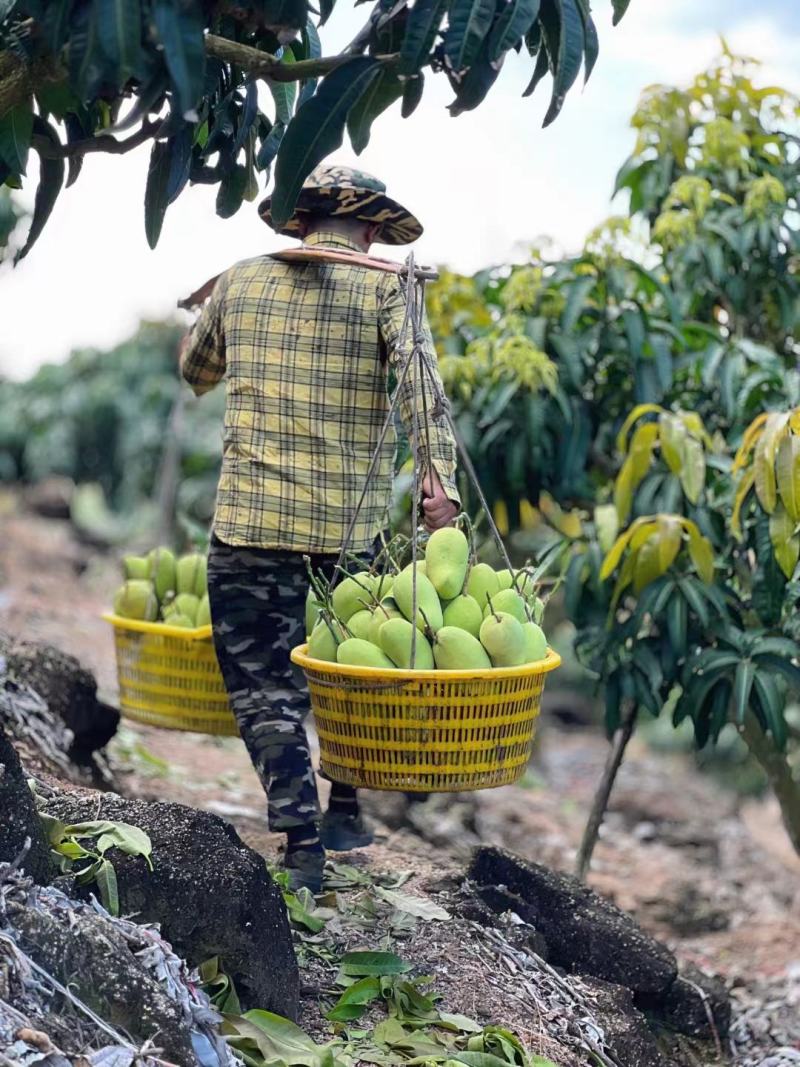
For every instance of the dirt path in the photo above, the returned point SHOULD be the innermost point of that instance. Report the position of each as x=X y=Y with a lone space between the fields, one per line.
x=716 y=879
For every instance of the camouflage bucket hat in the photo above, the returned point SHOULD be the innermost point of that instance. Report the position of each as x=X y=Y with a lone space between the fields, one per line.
x=338 y=191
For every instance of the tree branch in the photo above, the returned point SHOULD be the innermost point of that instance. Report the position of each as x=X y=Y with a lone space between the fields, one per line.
x=104 y=142
x=265 y=65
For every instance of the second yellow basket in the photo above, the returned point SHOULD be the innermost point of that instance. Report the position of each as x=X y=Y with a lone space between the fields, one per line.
x=425 y=731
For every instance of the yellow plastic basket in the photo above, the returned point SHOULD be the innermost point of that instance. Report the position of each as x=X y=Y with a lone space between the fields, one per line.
x=169 y=676
x=425 y=731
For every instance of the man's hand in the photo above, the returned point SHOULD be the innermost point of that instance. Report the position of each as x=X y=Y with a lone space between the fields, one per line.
x=439 y=511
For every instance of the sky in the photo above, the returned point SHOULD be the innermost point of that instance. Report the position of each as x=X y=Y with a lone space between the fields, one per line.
x=486 y=184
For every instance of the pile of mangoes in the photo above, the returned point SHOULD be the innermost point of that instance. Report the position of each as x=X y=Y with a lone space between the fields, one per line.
x=468 y=617
x=161 y=587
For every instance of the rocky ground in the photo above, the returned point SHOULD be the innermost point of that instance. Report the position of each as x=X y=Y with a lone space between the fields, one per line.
x=712 y=877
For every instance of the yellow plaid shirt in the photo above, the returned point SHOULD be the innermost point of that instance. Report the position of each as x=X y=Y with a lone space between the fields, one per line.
x=300 y=349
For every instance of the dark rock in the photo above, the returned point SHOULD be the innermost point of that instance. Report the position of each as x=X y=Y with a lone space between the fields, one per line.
x=625 y=1028
x=87 y=953
x=212 y=895
x=584 y=932
x=68 y=689
x=696 y=1004
x=20 y=822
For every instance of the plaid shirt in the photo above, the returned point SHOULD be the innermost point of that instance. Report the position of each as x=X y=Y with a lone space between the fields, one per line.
x=299 y=347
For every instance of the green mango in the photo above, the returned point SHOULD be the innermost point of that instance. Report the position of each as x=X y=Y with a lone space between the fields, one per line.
x=502 y=637
x=505 y=578
x=313 y=608
x=324 y=641
x=387 y=609
x=509 y=601
x=182 y=620
x=352 y=594
x=136 y=599
x=446 y=561
x=429 y=609
x=203 y=612
x=182 y=604
x=190 y=573
x=482 y=583
x=456 y=650
x=395 y=640
x=137 y=567
x=354 y=652
x=535 y=643
x=162 y=572
x=359 y=624
x=464 y=612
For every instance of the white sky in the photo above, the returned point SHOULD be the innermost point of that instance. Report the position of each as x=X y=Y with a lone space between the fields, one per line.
x=484 y=184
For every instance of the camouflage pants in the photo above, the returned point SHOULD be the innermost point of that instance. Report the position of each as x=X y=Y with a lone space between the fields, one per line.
x=258 y=609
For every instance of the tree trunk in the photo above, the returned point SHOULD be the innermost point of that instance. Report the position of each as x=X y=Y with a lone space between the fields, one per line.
x=601 y=797
x=778 y=770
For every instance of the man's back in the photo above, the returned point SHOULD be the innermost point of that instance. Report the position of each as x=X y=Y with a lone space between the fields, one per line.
x=300 y=348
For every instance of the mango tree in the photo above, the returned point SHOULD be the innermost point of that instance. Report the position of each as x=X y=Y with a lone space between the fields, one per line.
x=184 y=75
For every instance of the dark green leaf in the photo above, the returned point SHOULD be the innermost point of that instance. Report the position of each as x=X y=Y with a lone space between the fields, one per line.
x=354 y=1000
x=284 y=94
x=51 y=179
x=468 y=25
x=790 y=672
x=676 y=625
x=180 y=148
x=325 y=9
x=421 y=28
x=156 y=193
x=540 y=69
x=412 y=94
x=86 y=58
x=742 y=684
x=269 y=149
x=317 y=129
x=620 y=7
x=119 y=31
x=313 y=50
x=357 y=964
x=591 y=43
x=380 y=94
x=106 y=878
x=231 y=191
x=513 y=22
x=567 y=59
x=16 y=130
x=475 y=84
x=180 y=29
x=766 y=694
x=689 y=588
x=613 y=700
x=248 y=116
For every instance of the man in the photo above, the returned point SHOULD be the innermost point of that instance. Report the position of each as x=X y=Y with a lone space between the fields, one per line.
x=305 y=350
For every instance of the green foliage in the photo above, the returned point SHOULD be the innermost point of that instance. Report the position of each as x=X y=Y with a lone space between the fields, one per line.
x=70 y=845
x=191 y=71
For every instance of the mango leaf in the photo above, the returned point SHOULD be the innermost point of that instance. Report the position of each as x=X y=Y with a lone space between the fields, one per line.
x=354 y=1000
x=313 y=50
x=641 y=450
x=513 y=22
x=746 y=483
x=119 y=30
x=672 y=435
x=460 y=1023
x=471 y=90
x=633 y=417
x=412 y=94
x=180 y=30
x=668 y=540
x=276 y=1038
x=751 y=435
x=764 y=460
x=541 y=68
x=767 y=696
x=478 y=1059
x=418 y=906
x=591 y=43
x=16 y=130
x=742 y=685
x=317 y=130
x=623 y=490
x=284 y=93
x=677 y=620
x=468 y=25
x=106 y=878
x=612 y=559
x=51 y=179
x=785 y=540
x=787 y=469
x=569 y=55
x=379 y=95
x=358 y=964
x=619 y=7
x=647 y=566
x=231 y=191
x=693 y=473
x=606 y=523
x=422 y=25
x=700 y=552
x=156 y=192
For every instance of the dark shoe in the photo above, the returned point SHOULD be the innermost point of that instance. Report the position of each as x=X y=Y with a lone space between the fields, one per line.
x=305 y=868
x=340 y=832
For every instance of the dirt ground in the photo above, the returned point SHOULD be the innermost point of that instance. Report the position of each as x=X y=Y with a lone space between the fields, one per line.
x=714 y=877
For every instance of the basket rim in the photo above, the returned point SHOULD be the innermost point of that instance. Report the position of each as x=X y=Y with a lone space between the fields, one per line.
x=542 y=666
x=199 y=633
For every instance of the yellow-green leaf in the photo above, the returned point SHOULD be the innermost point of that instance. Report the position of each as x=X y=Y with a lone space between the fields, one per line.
x=668 y=540
x=611 y=562
x=645 y=531
x=693 y=472
x=623 y=581
x=641 y=451
x=672 y=434
x=648 y=565
x=764 y=460
x=742 y=489
x=787 y=468
x=751 y=434
x=638 y=411
x=606 y=522
x=700 y=552
x=785 y=540
x=623 y=490
x=694 y=424
x=794 y=421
